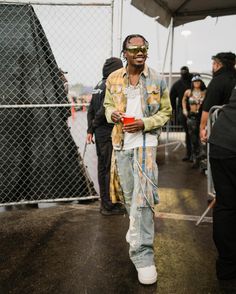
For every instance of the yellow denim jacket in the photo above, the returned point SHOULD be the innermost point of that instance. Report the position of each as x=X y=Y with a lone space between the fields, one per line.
x=156 y=104
x=156 y=109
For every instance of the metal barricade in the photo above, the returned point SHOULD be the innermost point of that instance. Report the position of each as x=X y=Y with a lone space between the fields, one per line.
x=173 y=134
x=41 y=154
x=213 y=114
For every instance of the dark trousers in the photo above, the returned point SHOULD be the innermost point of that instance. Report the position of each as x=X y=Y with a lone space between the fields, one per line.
x=224 y=216
x=104 y=152
x=183 y=121
x=193 y=132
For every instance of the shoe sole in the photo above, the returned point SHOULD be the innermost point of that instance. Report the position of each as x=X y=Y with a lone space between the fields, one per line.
x=148 y=281
x=111 y=213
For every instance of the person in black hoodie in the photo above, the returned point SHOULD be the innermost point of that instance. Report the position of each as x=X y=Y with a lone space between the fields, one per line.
x=98 y=126
x=177 y=91
x=223 y=168
x=220 y=87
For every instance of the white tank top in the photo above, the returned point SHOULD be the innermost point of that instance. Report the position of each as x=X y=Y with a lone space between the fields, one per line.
x=134 y=108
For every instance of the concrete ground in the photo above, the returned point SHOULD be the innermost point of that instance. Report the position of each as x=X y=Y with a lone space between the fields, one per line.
x=73 y=249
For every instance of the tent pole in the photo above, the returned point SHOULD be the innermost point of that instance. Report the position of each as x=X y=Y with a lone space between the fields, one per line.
x=167 y=47
x=171 y=36
x=121 y=12
x=171 y=51
x=112 y=28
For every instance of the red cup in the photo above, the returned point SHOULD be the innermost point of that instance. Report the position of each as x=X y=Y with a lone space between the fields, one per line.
x=127 y=119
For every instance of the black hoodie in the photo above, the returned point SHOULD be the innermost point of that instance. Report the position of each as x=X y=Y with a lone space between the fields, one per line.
x=97 y=122
x=223 y=133
x=220 y=88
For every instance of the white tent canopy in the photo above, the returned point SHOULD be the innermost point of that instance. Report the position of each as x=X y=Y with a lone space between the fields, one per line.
x=172 y=13
x=184 y=11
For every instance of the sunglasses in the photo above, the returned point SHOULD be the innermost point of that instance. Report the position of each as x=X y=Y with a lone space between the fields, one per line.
x=137 y=49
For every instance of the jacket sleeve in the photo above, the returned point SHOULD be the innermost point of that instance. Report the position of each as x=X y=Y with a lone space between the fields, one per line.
x=162 y=116
x=173 y=96
x=90 y=116
x=109 y=103
x=100 y=118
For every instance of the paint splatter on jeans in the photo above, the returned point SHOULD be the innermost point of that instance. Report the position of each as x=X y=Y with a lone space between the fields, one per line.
x=138 y=175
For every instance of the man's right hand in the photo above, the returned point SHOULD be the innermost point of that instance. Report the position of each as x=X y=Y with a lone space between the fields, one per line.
x=89 y=138
x=116 y=116
x=203 y=135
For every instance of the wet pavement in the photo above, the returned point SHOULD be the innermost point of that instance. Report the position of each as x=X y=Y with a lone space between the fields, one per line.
x=72 y=249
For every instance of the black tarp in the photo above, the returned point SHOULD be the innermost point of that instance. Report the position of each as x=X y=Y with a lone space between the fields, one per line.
x=38 y=156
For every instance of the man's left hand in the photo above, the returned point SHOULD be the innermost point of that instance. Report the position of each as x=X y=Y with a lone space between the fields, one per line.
x=134 y=127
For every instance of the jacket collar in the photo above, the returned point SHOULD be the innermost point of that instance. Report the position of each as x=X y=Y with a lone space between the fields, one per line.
x=144 y=72
x=219 y=71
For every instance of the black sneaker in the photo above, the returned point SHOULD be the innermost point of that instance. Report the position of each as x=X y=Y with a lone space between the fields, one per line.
x=105 y=211
x=115 y=209
x=186 y=158
x=119 y=207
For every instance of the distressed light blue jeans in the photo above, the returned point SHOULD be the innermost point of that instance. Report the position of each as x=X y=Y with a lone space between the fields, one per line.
x=140 y=195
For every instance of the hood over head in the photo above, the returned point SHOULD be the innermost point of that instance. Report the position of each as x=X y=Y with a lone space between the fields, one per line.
x=184 y=72
x=111 y=64
x=227 y=59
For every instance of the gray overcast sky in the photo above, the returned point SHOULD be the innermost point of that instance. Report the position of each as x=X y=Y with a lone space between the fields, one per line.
x=207 y=37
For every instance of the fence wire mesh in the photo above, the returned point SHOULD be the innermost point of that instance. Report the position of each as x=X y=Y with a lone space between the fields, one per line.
x=42 y=155
x=51 y=55
x=37 y=40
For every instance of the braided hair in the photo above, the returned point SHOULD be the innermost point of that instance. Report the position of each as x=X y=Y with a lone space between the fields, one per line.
x=127 y=40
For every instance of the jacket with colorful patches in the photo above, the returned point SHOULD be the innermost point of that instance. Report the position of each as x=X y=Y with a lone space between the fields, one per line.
x=155 y=101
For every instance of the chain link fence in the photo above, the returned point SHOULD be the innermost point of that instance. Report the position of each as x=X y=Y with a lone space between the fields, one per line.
x=51 y=58
x=42 y=155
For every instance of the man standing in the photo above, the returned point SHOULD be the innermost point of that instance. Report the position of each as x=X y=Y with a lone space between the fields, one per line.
x=97 y=124
x=137 y=91
x=220 y=87
x=223 y=168
x=177 y=91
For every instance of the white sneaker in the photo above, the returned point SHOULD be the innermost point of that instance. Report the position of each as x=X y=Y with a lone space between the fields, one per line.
x=147 y=275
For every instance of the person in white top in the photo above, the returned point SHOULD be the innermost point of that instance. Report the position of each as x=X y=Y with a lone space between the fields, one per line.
x=137 y=91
